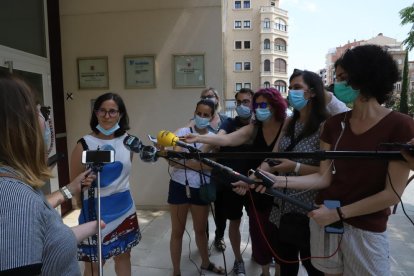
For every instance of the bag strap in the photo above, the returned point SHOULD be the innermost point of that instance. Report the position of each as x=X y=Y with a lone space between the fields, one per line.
x=202 y=178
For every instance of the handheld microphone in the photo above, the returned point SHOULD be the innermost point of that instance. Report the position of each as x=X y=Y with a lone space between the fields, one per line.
x=167 y=139
x=133 y=143
x=148 y=154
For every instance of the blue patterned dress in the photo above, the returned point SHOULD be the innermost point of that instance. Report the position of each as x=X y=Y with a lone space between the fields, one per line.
x=117 y=205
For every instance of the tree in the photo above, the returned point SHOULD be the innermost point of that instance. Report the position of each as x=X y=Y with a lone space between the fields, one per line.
x=404 y=87
x=407 y=16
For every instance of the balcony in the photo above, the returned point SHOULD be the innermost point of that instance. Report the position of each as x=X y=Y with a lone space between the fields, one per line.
x=273 y=10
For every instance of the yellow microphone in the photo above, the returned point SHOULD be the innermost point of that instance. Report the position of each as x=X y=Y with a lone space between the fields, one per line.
x=167 y=139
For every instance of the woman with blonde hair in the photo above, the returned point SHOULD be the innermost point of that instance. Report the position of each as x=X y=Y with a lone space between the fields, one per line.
x=32 y=232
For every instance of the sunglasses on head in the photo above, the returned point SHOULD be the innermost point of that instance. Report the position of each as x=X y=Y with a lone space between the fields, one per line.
x=260 y=105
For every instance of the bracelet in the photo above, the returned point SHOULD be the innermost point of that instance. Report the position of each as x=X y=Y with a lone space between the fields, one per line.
x=340 y=214
x=65 y=192
x=297 y=168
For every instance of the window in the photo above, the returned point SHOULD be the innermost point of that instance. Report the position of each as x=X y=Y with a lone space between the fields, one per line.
x=238 y=66
x=237 y=44
x=280 y=25
x=238 y=86
x=246 y=24
x=266 y=84
x=237 y=4
x=266 y=23
x=280 y=45
x=281 y=86
x=246 y=4
x=280 y=65
x=247 y=45
x=237 y=24
x=266 y=65
x=247 y=85
x=266 y=44
x=247 y=66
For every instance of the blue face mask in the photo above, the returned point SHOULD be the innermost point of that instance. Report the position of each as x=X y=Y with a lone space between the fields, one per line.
x=344 y=92
x=201 y=122
x=243 y=111
x=108 y=132
x=263 y=114
x=297 y=100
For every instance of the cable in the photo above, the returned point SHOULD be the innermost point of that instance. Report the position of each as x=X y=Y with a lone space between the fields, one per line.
x=399 y=198
x=271 y=249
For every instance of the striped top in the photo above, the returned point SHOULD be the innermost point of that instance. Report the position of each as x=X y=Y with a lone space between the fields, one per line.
x=32 y=232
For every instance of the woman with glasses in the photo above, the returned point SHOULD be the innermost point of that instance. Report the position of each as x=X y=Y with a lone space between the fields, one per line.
x=269 y=108
x=109 y=123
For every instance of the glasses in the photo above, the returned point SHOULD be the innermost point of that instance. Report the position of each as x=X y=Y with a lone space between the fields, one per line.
x=260 y=105
x=244 y=102
x=102 y=112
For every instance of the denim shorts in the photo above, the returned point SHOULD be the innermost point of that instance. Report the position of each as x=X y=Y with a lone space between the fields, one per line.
x=178 y=195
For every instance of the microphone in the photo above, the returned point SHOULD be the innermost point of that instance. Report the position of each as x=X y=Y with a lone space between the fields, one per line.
x=268 y=183
x=167 y=139
x=149 y=154
x=133 y=143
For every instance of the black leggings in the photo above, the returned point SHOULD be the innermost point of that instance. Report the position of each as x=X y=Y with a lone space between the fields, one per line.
x=290 y=252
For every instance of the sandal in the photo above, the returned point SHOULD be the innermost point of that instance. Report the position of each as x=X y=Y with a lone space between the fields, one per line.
x=212 y=267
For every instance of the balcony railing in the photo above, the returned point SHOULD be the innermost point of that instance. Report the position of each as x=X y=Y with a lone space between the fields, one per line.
x=273 y=10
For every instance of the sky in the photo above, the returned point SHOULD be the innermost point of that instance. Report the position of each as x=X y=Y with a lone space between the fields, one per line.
x=316 y=26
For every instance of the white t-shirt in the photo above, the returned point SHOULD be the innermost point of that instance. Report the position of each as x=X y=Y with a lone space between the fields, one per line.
x=180 y=175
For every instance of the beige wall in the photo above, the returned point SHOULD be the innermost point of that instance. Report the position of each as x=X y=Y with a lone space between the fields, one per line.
x=116 y=28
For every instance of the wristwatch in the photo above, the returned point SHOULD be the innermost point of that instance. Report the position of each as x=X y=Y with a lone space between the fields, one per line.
x=65 y=192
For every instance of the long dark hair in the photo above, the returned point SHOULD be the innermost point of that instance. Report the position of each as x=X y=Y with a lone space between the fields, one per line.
x=123 y=122
x=318 y=112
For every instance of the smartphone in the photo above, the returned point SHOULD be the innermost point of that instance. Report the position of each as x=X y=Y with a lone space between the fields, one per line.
x=272 y=162
x=98 y=156
x=398 y=146
x=336 y=227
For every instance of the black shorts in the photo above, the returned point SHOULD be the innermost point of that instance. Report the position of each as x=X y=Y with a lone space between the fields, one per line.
x=178 y=195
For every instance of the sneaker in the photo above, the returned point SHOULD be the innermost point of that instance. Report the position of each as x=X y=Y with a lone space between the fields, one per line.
x=238 y=268
x=219 y=244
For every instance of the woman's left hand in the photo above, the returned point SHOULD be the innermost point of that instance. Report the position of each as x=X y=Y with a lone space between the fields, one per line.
x=324 y=216
x=82 y=181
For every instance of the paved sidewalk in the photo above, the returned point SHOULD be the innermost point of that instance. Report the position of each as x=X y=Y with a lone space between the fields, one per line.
x=152 y=257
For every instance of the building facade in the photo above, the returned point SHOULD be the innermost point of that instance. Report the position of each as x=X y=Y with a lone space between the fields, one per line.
x=255 y=46
x=394 y=47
